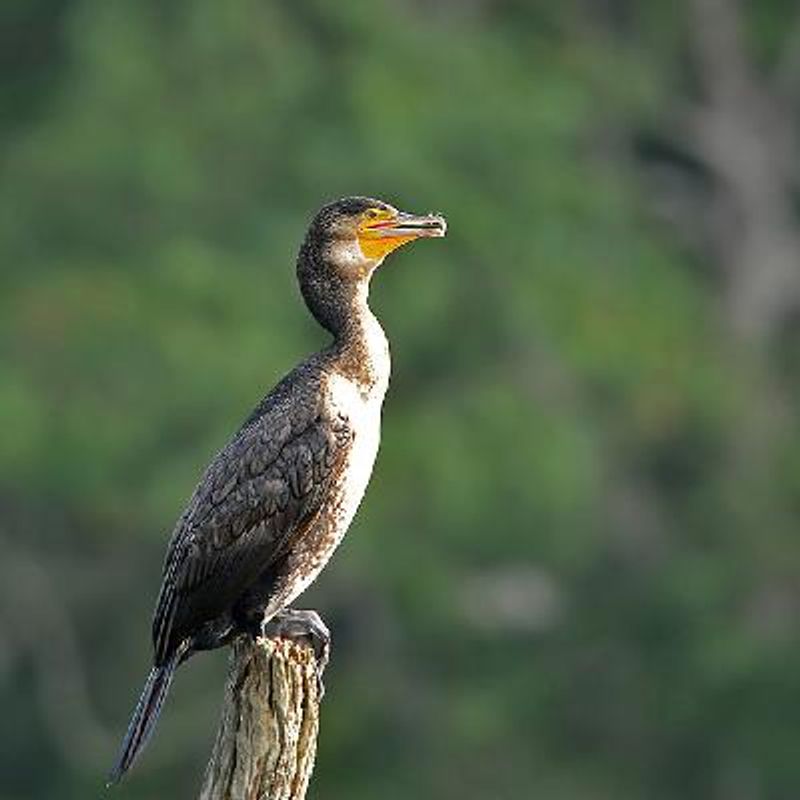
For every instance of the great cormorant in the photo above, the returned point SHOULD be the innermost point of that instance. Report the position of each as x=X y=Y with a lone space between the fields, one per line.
x=276 y=501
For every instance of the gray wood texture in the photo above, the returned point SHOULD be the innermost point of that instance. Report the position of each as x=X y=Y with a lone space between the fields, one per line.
x=267 y=738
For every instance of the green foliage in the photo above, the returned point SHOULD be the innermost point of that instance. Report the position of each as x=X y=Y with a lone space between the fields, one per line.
x=560 y=584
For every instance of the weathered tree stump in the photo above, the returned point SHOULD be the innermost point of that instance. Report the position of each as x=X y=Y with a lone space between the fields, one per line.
x=267 y=738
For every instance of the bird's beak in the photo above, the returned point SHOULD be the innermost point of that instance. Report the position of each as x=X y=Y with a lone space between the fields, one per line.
x=378 y=237
x=411 y=225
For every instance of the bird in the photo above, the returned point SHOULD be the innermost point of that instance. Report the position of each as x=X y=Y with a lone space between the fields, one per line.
x=276 y=501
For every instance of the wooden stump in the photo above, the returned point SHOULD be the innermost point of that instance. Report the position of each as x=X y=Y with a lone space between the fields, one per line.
x=267 y=738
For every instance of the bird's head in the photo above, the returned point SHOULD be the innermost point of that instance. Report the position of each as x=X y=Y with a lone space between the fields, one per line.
x=346 y=241
x=355 y=234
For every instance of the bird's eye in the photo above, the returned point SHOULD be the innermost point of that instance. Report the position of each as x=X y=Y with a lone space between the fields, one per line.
x=373 y=213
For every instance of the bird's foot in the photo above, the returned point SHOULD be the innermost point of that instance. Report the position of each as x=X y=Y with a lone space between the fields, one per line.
x=306 y=626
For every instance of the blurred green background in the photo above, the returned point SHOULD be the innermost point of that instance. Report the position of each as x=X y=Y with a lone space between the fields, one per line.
x=575 y=575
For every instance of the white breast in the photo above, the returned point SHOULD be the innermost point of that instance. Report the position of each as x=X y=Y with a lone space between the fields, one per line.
x=360 y=402
x=364 y=412
x=362 y=407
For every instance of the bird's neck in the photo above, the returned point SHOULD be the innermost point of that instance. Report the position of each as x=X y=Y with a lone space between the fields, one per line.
x=360 y=350
x=360 y=346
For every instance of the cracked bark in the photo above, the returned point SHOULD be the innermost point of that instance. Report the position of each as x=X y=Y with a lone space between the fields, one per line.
x=267 y=737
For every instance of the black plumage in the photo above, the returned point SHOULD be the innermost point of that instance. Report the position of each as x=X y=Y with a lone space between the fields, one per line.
x=274 y=503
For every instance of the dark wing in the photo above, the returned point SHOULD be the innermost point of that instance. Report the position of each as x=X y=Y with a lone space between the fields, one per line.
x=256 y=498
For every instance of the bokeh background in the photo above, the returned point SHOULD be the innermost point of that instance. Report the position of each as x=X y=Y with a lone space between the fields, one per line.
x=575 y=575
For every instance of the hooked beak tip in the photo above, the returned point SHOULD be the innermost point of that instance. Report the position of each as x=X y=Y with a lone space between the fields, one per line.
x=427 y=225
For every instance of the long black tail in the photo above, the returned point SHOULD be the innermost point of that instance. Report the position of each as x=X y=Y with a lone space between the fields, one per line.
x=145 y=716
